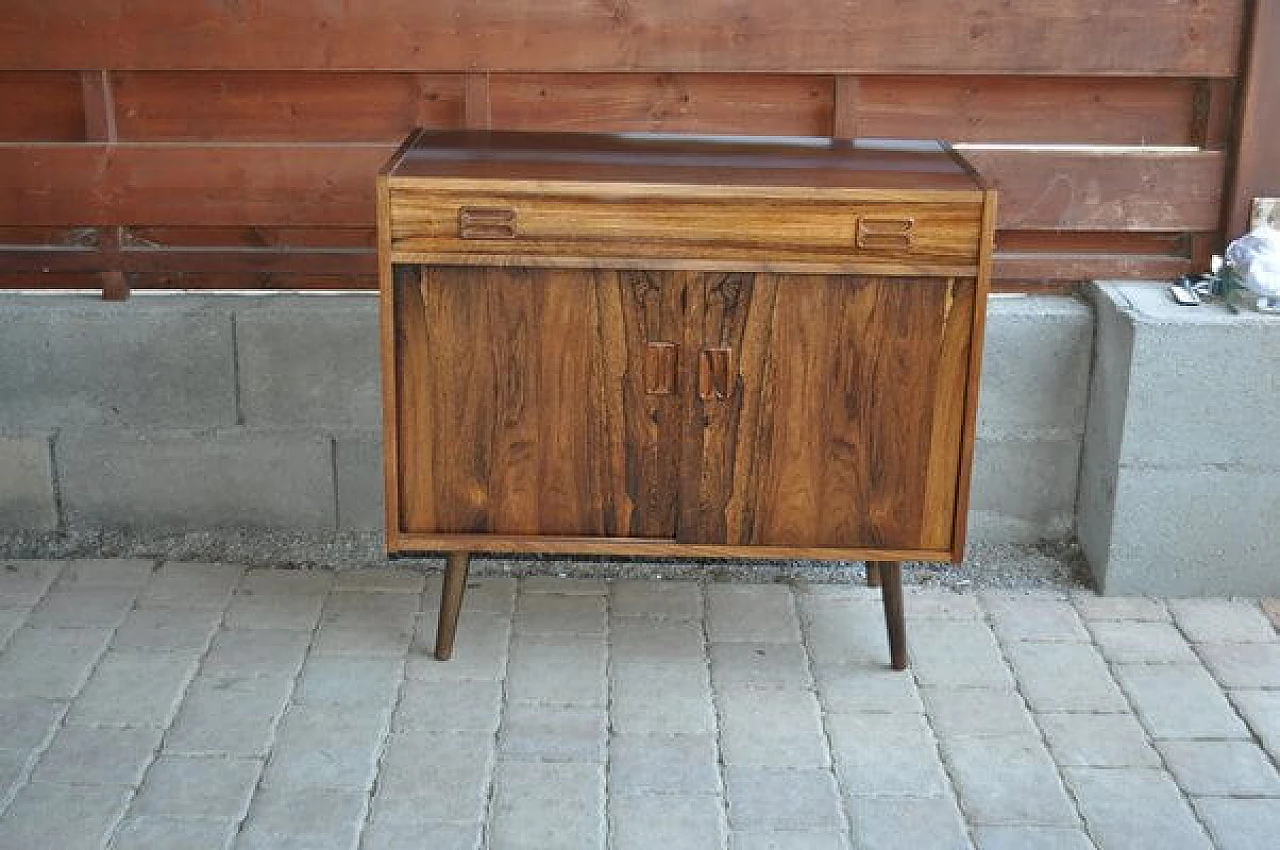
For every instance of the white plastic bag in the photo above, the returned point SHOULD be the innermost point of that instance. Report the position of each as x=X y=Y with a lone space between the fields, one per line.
x=1255 y=258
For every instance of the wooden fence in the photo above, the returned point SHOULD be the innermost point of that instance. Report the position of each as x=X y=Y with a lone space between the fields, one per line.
x=193 y=144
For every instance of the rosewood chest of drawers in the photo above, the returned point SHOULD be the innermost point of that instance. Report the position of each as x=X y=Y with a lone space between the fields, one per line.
x=680 y=346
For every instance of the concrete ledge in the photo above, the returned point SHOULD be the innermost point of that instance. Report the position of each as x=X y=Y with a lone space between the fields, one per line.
x=1180 y=475
x=27 y=498
x=1023 y=491
x=358 y=467
x=212 y=479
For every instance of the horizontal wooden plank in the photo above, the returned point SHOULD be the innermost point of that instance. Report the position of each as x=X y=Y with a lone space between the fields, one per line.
x=41 y=106
x=1152 y=37
x=1046 y=110
x=277 y=106
x=279 y=238
x=702 y=103
x=1104 y=190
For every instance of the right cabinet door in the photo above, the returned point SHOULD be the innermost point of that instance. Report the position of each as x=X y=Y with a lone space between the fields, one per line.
x=823 y=410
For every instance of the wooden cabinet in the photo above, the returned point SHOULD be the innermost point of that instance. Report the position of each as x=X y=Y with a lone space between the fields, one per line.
x=680 y=346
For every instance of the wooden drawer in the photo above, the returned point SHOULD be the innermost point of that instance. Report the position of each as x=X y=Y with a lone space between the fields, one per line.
x=767 y=231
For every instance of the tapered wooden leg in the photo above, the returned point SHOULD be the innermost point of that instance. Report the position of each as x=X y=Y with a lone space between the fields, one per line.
x=873 y=574
x=455 y=584
x=894 y=619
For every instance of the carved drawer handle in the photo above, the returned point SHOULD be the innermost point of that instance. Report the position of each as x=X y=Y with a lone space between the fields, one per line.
x=713 y=374
x=660 y=368
x=487 y=223
x=885 y=234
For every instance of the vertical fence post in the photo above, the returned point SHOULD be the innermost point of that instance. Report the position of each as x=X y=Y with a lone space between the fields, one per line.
x=1256 y=165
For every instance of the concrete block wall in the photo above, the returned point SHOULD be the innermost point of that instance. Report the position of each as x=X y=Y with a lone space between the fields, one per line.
x=1180 y=475
x=198 y=412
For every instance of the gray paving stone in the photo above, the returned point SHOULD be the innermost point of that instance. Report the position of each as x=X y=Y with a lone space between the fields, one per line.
x=762 y=613
x=97 y=756
x=824 y=840
x=467 y=705
x=977 y=711
x=436 y=835
x=760 y=665
x=765 y=800
x=886 y=755
x=47 y=815
x=79 y=608
x=453 y=789
x=486 y=594
x=1030 y=838
x=122 y=573
x=191 y=585
x=1241 y=824
x=1221 y=621
x=562 y=585
x=887 y=823
x=11 y=619
x=1008 y=781
x=194 y=786
x=316 y=745
x=380 y=580
x=1098 y=740
x=233 y=716
x=13 y=770
x=131 y=688
x=534 y=732
x=1065 y=677
x=538 y=805
x=150 y=832
x=957 y=654
x=24 y=583
x=167 y=629
x=351 y=610
x=661 y=698
x=52 y=663
x=1243 y=665
x=283 y=582
x=674 y=823
x=303 y=811
x=345 y=838
x=848 y=633
x=1138 y=642
x=25 y=722
x=389 y=641
x=561 y=613
x=1260 y=709
x=675 y=601
x=273 y=611
x=557 y=669
x=657 y=642
x=480 y=651
x=1179 y=701
x=641 y=763
x=256 y=652
x=855 y=690
x=352 y=682
x=1099 y=608
x=771 y=728
x=1221 y=768
x=1034 y=617
x=1135 y=809
x=930 y=604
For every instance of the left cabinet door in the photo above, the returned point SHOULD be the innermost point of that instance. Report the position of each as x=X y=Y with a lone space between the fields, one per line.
x=537 y=401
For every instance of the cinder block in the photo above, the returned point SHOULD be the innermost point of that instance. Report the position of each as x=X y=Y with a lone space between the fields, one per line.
x=310 y=362
x=197 y=480
x=80 y=361
x=1035 y=370
x=360 y=483
x=1024 y=490
x=26 y=483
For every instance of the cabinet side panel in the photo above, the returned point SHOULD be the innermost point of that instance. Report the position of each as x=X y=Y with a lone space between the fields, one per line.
x=949 y=400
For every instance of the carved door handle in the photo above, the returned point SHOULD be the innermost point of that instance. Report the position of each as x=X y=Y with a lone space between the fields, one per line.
x=487 y=223
x=885 y=234
x=713 y=374
x=661 y=361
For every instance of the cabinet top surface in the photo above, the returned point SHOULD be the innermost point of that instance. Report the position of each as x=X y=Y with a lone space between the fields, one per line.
x=670 y=159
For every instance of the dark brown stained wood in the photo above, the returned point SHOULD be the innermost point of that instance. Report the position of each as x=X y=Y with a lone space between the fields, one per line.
x=1081 y=190
x=1255 y=173
x=1214 y=114
x=522 y=404
x=98 y=97
x=1046 y=110
x=236 y=238
x=207 y=106
x=41 y=106
x=1029 y=255
x=824 y=440
x=1183 y=37
x=697 y=103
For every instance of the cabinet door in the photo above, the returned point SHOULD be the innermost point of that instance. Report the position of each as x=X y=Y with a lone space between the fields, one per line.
x=828 y=410
x=537 y=401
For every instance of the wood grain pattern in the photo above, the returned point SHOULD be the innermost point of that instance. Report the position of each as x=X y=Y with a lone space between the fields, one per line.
x=41 y=106
x=1181 y=38
x=1258 y=124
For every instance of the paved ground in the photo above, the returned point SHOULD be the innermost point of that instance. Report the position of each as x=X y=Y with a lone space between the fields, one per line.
x=196 y=706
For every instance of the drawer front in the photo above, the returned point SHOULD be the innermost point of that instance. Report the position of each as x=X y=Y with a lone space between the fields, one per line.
x=431 y=221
